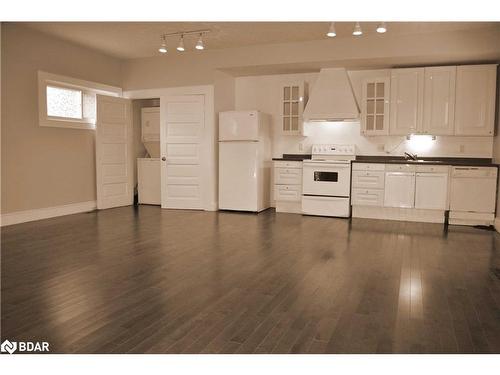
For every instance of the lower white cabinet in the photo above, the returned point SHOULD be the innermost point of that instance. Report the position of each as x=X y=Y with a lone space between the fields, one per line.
x=431 y=190
x=367 y=184
x=399 y=189
x=288 y=176
x=290 y=193
x=367 y=197
x=368 y=179
x=405 y=192
x=288 y=186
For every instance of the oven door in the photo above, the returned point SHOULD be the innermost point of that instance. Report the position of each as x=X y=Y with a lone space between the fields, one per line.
x=326 y=178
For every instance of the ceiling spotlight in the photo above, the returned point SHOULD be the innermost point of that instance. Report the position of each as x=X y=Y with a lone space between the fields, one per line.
x=357 y=30
x=180 y=47
x=381 y=28
x=331 y=31
x=163 y=47
x=199 y=43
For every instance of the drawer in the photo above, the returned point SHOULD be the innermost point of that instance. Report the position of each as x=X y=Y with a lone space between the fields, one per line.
x=287 y=164
x=368 y=179
x=291 y=193
x=432 y=168
x=400 y=168
x=368 y=167
x=288 y=176
x=367 y=197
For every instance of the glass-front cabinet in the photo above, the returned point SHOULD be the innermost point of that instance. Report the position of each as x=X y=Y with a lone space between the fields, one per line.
x=292 y=106
x=375 y=106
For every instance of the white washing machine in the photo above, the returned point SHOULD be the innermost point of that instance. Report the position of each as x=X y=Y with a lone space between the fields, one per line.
x=149 y=180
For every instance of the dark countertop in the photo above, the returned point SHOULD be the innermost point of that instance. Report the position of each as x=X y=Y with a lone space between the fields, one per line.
x=294 y=157
x=476 y=162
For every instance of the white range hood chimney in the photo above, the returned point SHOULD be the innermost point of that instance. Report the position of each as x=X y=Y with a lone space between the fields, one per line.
x=332 y=98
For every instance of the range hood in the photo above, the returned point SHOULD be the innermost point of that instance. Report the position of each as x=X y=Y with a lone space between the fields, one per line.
x=332 y=98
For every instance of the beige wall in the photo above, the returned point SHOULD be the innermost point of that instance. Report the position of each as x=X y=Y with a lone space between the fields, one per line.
x=196 y=68
x=45 y=167
x=496 y=144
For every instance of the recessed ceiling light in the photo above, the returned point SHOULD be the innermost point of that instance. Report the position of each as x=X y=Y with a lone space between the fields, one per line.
x=331 y=31
x=357 y=30
x=381 y=28
x=163 y=47
x=180 y=47
x=199 y=43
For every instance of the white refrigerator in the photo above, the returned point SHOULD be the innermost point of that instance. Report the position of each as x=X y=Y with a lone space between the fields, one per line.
x=244 y=161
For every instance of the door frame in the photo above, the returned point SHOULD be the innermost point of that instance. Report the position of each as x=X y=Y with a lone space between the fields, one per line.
x=209 y=139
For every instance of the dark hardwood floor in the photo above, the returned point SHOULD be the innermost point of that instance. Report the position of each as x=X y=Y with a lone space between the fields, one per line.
x=159 y=281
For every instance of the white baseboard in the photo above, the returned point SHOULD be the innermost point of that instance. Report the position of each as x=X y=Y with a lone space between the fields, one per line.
x=497 y=224
x=48 y=212
x=399 y=214
x=471 y=218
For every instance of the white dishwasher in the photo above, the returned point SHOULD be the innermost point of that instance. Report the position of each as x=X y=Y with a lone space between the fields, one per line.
x=473 y=195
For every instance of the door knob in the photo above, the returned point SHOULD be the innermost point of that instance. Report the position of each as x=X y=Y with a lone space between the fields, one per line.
x=164 y=158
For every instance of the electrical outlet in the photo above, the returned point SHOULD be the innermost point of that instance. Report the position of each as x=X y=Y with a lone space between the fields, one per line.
x=462 y=149
x=301 y=146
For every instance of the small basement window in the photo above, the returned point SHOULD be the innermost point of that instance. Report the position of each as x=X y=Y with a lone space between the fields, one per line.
x=62 y=102
x=68 y=102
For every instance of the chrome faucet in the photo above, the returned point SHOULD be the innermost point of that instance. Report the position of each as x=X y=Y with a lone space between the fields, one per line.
x=409 y=156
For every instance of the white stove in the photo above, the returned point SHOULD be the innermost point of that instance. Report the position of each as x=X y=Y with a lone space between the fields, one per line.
x=327 y=181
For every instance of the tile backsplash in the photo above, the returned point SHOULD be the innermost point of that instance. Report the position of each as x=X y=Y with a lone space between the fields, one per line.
x=349 y=133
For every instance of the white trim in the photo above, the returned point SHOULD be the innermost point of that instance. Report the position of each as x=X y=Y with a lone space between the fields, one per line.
x=45 y=79
x=497 y=224
x=398 y=214
x=98 y=88
x=471 y=218
x=210 y=178
x=45 y=213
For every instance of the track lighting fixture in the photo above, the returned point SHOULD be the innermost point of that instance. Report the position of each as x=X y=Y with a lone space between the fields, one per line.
x=163 y=47
x=180 y=47
x=357 y=30
x=199 y=43
x=381 y=28
x=331 y=31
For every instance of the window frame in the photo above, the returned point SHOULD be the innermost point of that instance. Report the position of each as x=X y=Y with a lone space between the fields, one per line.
x=86 y=87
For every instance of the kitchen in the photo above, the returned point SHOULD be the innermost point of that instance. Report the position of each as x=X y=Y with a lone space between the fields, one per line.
x=419 y=113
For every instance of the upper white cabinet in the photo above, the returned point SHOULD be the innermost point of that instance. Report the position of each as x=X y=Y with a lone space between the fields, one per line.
x=375 y=106
x=406 y=104
x=150 y=123
x=475 y=100
x=439 y=101
x=292 y=108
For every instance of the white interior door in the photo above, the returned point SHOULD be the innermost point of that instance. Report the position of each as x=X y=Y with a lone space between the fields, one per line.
x=114 y=157
x=181 y=151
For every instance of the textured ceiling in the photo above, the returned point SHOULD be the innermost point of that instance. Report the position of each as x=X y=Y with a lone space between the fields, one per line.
x=128 y=40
